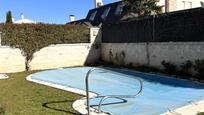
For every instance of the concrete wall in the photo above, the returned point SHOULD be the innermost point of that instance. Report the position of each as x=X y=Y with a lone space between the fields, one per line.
x=11 y=60
x=124 y=53
x=152 y=53
x=64 y=55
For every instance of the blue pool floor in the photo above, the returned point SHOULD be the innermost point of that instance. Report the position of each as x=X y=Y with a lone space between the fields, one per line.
x=160 y=92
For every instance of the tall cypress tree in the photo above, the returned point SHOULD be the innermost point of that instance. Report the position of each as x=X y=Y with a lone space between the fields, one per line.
x=9 y=17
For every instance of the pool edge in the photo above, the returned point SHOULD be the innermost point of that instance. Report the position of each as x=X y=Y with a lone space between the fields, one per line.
x=191 y=109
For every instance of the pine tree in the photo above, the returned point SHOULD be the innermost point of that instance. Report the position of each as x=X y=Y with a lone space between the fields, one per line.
x=141 y=7
x=9 y=17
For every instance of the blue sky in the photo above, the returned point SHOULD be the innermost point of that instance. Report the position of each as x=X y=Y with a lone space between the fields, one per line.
x=48 y=11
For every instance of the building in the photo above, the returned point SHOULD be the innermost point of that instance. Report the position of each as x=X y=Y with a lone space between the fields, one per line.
x=175 y=5
x=23 y=20
x=111 y=13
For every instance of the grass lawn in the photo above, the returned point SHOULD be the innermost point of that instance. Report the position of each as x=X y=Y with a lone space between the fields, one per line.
x=21 y=97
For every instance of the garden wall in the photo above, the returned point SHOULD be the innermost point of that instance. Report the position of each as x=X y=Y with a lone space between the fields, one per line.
x=53 y=56
x=151 y=54
x=11 y=60
x=64 y=55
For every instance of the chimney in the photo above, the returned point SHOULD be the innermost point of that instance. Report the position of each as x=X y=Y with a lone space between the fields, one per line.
x=98 y=3
x=22 y=16
x=71 y=18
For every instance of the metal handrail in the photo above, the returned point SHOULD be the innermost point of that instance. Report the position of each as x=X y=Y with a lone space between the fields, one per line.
x=107 y=96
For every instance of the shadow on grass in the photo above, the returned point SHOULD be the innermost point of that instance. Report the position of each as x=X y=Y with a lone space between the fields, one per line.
x=50 y=105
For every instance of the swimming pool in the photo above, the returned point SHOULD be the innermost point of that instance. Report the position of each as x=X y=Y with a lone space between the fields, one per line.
x=160 y=93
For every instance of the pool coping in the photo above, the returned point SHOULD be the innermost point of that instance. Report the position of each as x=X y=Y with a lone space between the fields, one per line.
x=80 y=106
x=190 y=109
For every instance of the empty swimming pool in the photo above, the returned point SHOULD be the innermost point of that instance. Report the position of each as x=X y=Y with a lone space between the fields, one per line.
x=160 y=93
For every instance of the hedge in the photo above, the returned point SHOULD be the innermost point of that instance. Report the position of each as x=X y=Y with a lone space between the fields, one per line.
x=32 y=37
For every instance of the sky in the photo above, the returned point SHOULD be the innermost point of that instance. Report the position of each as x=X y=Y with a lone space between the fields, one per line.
x=47 y=11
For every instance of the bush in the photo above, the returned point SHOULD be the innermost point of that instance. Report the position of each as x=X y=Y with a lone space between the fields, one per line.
x=199 y=68
x=202 y=113
x=186 y=68
x=2 y=108
x=169 y=67
x=32 y=37
x=144 y=68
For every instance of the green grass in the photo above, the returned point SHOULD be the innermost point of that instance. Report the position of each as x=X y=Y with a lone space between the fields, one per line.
x=21 y=97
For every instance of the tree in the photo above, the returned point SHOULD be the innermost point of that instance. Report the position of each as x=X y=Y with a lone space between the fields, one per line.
x=141 y=7
x=9 y=17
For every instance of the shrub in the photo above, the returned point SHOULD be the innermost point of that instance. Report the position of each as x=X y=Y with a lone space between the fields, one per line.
x=169 y=67
x=199 y=68
x=144 y=68
x=2 y=108
x=186 y=68
x=32 y=37
x=202 y=113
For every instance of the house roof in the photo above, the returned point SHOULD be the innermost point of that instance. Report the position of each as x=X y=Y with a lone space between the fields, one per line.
x=110 y=13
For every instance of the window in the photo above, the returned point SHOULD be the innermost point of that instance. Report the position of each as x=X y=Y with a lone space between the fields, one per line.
x=119 y=9
x=93 y=16
x=187 y=4
x=105 y=13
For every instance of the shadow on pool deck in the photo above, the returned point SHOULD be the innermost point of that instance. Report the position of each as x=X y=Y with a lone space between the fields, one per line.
x=48 y=105
x=162 y=79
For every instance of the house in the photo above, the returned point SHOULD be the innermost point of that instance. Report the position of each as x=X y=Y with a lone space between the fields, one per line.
x=175 y=5
x=23 y=20
x=111 y=13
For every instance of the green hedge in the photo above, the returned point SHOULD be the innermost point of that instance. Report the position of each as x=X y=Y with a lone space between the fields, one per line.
x=32 y=37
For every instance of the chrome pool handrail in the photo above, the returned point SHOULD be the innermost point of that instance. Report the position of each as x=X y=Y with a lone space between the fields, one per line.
x=107 y=96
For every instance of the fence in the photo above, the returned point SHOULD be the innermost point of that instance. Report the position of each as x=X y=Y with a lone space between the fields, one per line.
x=186 y=25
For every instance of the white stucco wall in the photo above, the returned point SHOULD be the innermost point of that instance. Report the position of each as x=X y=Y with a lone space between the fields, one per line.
x=134 y=53
x=175 y=5
x=153 y=53
x=176 y=53
x=11 y=60
x=195 y=3
x=64 y=55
